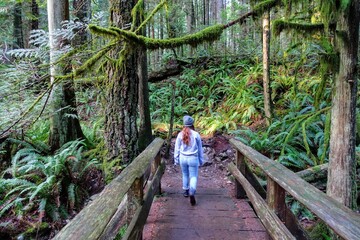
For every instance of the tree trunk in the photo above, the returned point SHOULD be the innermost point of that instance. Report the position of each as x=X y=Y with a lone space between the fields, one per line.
x=207 y=12
x=18 y=29
x=342 y=163
x=266 y=67
x=190 y=17
x=204 y=12
x=190 y=20
x=35 y=15
x=82 y=11
x=121 y=135
x=65 y=125
x=145 y=133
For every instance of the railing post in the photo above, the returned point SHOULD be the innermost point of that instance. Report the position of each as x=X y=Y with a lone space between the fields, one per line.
x=154 y=166
x=135 y=199
x=275 y=196
x=240 y=164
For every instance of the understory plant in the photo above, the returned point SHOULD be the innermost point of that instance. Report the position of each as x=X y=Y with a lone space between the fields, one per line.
x=46 y=186
x=297 y=140
x=220 y=97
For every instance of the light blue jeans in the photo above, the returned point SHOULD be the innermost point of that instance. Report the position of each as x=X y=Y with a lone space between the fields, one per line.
x=190 y=169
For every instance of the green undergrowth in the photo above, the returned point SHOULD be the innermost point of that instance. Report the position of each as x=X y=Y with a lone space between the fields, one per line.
x=46 y=188
x=228 y=97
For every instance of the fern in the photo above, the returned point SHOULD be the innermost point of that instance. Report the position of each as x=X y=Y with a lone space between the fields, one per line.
x=39 y=179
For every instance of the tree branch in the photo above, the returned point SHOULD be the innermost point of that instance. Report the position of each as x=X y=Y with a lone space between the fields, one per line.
x=257 y=10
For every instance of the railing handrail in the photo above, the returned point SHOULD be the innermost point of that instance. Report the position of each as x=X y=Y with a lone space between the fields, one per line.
x=87 y=226
x=344 y=221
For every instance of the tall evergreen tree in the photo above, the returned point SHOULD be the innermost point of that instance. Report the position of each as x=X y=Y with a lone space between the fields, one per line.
x=145 y=132
x=35 y=15
x=342 y=162
x=18 y=29
x=65 y=125
x=266 y=67
x=122 y=90
x=341 y=19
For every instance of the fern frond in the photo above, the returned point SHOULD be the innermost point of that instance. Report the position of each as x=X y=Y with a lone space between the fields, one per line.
x=42 y=209
x=43 y=187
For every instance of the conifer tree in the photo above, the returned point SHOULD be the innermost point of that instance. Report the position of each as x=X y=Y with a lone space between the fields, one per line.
x=65 y=125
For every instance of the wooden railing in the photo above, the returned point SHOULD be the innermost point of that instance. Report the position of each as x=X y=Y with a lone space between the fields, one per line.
x=129 y=196
x=273 y=212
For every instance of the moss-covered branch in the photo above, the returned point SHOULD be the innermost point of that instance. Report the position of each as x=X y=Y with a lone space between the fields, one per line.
x=93 y=60
x=105 y=32
x=264 y=6
x=208 y=34
x=307 y=28
x=151 y=15
x=37 y=100
x=258 y=9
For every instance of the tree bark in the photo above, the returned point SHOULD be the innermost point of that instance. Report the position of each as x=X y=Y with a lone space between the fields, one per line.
x=35 y=15
x=64 y=123
x=82 y=11
x=122 y=90
x=207 y=12
x=342 y=163
x=145 y=132
x=190 y=17
x=18 y=29
x=266 y=66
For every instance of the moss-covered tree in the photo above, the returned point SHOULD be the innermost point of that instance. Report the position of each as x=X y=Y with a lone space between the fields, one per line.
x=125 y=71
x=145 y=132
x=339 y=20
x=266 y=67
x=18 y=26
x=342 y=162
x=65 y=125
x=121 y=134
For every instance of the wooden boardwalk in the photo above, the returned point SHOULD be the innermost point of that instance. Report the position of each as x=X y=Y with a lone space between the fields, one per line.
x=217 y=215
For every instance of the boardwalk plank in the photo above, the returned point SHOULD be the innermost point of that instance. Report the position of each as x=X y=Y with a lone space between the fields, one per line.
x=216 y=215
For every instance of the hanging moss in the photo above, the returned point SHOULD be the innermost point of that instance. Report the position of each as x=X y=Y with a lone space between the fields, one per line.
x=263 y=6
x=306 y=28
x=345 y=5
x=208 y=34
x=327 y=12
x=327 y=136
x=93 y=60
x=329 y=62
x=151 y=15
x=137 y=11
x=105 y=32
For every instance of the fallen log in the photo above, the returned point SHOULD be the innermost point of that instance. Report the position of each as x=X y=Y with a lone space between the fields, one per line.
x=314 y=173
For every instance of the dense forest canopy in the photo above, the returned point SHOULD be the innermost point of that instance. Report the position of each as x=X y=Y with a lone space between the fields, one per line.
x=86 y=85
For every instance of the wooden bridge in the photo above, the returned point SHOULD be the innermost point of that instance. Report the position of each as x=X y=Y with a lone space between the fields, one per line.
x=127 y=201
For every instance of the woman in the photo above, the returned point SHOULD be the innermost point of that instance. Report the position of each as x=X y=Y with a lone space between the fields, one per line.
x=189 y=153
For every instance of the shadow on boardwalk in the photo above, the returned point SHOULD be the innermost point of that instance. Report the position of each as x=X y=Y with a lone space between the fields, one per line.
x=217 y=215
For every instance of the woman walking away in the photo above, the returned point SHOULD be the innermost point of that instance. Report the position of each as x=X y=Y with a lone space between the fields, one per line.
x=189 y=153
